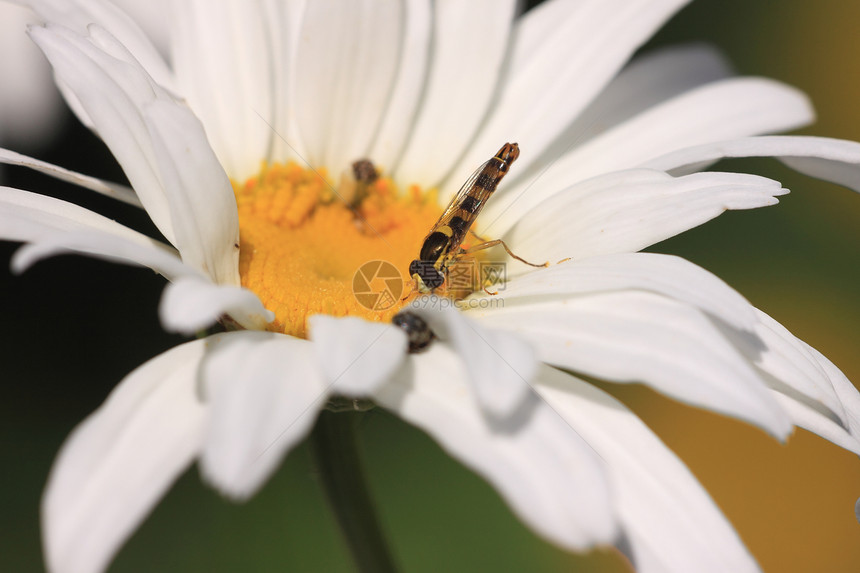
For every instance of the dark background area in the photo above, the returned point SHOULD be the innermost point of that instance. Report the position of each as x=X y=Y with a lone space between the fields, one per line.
x=73 y=327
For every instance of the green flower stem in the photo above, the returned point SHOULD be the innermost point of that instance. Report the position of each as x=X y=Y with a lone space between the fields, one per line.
x=335 y=447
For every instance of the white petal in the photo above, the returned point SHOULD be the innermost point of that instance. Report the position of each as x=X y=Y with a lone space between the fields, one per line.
x=807 y=416
x=79 y=14
x=547 y=474
x=670 y=524
x=152 y=19
x=108 y=246
x=848 y=394
x=31 y=110
x=29 y=216
x=829 y=159
x=346 y=64
x=112 y=91
x=222 y=56
x=75 y=104
x=119 y=192
x=117 y=463
x=355 y=355
x=284 y=20
x=191 y=304
x=721 y=110
x=55 y=226
x=563 y=54
x=730 y=108
x=647 y=81
x=202 y=203
x=794 y=369
x=643 y=337
x=409 y=84
x=667 y=275
x=500 y=365
x=265 y=391
x=469 y=44
x=625 y=211
x=803 y=381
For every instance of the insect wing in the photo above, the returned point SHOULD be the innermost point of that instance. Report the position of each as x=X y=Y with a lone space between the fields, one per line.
x=464 y=192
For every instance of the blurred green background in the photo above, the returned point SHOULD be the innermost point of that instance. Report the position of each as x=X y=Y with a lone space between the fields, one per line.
x=73 y=327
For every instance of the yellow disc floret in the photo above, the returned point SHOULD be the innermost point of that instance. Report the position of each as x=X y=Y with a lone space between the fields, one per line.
x=305 y=251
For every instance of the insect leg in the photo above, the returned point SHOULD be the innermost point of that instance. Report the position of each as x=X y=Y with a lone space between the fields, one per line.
x=477 y=236
x=411 y=292
x=493 y=243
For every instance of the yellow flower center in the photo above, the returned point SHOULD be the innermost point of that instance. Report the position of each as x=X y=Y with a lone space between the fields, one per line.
x=302 y=245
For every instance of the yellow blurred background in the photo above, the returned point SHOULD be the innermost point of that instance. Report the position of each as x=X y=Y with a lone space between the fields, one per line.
x=70 y=337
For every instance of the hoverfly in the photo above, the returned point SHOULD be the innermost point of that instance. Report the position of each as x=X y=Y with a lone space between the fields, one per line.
x=441 y=246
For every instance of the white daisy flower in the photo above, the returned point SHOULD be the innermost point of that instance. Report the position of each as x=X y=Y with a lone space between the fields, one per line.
x=612 y=150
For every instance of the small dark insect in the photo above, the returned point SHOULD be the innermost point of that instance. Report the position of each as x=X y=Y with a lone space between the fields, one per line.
x=441 y=246
x=364 y=171
x=364 y=175
x=417 y=331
